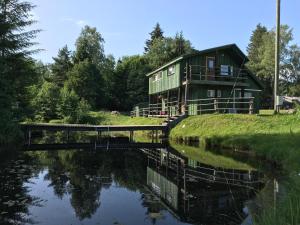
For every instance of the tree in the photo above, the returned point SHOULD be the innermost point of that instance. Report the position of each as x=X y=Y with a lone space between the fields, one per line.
x=15 y=63
x=262 y=62
x=157 y=33
x=85 y=79
x=181 y=46
x=164 y=50
x=108 y=73
x=130 y=84
x=71 y=108
x=61 y=66
x=45 y=102
x=256 y=42
x=89 y=46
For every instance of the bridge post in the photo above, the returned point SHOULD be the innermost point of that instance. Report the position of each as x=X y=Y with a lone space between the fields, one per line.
x=29 y=136
x=131 y=136
x=68 y=135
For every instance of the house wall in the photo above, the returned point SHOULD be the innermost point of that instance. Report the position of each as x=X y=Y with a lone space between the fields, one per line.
x=222 y=58
x=166 y=82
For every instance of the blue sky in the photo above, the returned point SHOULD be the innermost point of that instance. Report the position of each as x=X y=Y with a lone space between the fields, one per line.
x=125 y=24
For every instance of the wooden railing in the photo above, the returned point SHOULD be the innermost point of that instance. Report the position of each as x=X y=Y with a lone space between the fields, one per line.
x=203 y=73
x=199 y=106
x=220 y=105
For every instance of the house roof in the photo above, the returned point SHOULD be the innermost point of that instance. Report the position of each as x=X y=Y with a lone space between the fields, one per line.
x=238 y=52
x=233 y=47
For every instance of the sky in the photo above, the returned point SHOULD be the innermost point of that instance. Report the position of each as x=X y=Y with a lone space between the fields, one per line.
x=125 y=24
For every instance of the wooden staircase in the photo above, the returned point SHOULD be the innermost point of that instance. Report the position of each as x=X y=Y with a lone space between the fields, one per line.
x=172 y=121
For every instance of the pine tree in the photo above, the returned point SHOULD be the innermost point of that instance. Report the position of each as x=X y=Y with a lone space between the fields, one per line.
x=256 y=42
x=157 y=33
x=62 y=64
x=15 y=41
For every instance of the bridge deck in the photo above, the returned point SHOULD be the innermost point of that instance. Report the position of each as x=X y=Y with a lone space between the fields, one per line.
x=83 y=127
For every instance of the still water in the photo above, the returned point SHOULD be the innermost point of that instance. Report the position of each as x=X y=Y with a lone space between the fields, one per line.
x=125 y=186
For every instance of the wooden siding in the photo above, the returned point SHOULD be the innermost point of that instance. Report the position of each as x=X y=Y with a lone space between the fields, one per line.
x=166 y=82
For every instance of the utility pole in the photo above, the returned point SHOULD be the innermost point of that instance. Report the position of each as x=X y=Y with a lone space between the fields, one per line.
x=277 y=58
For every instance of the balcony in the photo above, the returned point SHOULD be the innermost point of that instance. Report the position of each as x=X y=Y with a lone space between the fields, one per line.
x=224 y=75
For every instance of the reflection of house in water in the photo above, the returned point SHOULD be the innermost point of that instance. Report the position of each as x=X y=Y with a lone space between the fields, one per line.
x=199 y=193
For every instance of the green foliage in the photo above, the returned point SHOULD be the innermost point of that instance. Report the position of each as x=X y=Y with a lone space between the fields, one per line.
x=262 y=61
x=61 y=66
x=164 y=50
x=71 y=108
x=157 y=33
x=45 y=101
x=16 y=66
x=85 y=80
x=89 y=46
x=130 y=85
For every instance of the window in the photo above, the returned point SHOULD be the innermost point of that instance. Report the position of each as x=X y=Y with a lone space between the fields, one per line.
x=171 y=70
x=219 y=93
x=211 y=93
x=157 y=76
x=211 y=63
x=224 y=70
x=248 y=94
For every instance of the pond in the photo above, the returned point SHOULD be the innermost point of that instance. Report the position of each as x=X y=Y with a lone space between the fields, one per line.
x=140 y=185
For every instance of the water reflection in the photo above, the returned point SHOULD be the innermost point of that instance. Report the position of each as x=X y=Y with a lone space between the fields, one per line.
x=125 y=186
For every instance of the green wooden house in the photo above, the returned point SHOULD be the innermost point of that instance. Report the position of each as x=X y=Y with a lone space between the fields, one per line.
x=212 y=80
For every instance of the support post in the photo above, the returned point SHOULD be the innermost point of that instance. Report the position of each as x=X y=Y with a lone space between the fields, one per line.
x=68 y=135
x=131 y=136
x=277 y=57
x=216 y=105
x=251 y=103
x=186 y=87
x=29 y=137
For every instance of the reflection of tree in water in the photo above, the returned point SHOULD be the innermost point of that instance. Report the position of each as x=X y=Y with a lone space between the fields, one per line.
x=82 y=174
x=14 y=197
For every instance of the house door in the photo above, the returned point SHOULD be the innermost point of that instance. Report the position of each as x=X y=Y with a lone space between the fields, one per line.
x=210 y=68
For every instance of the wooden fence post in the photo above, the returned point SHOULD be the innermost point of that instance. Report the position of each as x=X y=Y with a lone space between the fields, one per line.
x=216 y=105
x=251 y=106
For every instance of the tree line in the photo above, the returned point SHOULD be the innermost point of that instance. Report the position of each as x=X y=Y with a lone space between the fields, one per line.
x=88 y=79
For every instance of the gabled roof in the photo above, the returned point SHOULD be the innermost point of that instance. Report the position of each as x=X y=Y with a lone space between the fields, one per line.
x=233 y=47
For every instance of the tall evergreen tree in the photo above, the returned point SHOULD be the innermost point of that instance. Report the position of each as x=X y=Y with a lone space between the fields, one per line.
x=157 y=33
x=15 y=64
x=62 y=64
x=256 y=42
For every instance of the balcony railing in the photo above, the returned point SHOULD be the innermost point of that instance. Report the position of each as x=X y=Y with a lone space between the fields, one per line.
x=203 y=73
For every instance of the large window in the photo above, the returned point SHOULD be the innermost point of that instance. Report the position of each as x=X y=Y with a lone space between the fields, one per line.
x=171 y=70
x=226 y=70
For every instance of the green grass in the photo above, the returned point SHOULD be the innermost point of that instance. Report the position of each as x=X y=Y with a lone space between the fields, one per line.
x=210 y=158
x=106 y=118
x=275 y=137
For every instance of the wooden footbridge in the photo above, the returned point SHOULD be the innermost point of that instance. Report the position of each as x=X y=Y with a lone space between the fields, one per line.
x=29 y=128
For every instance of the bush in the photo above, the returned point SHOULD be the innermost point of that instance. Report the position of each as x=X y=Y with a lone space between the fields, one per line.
x=45 y=102
x=71 y=108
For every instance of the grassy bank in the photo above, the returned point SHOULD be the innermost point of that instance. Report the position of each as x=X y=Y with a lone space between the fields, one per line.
x=106 y=118
x=275 y=137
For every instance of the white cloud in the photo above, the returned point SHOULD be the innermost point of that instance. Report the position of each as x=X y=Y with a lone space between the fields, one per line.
x=80 y=23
